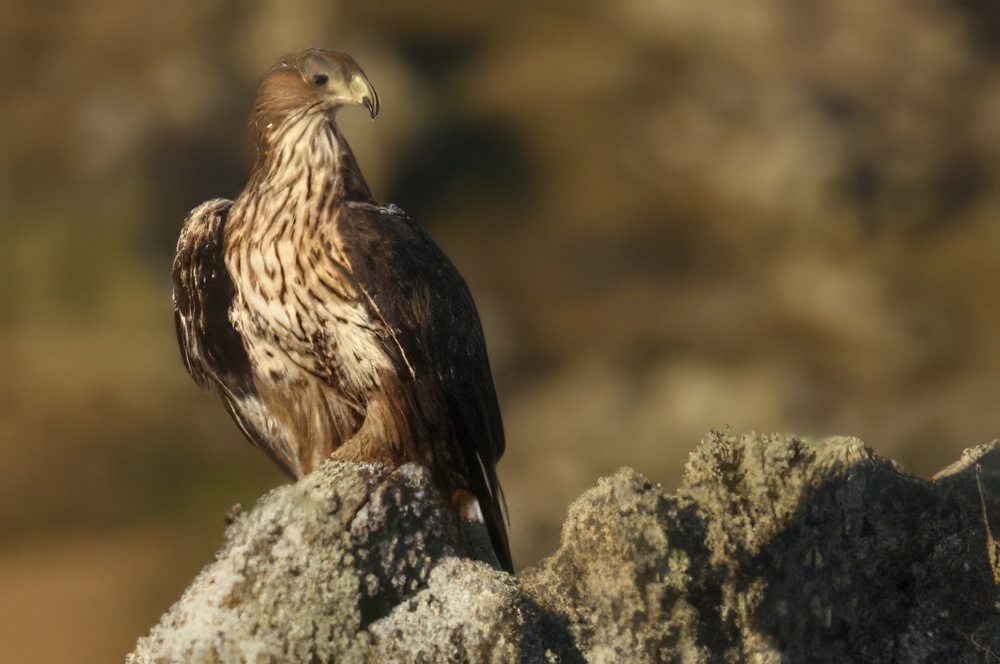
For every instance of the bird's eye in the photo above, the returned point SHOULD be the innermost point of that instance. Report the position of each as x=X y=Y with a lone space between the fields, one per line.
x=320 y=79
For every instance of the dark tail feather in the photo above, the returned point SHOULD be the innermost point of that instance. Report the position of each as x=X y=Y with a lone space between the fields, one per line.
x=486 y=486
x=479 y=452
x=495 y=515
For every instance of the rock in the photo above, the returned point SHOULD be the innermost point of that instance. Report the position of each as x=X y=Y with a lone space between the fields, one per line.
x=304 y=573
x=775 y=549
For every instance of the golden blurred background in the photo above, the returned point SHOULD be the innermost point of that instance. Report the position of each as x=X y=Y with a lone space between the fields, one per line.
x=675 y=216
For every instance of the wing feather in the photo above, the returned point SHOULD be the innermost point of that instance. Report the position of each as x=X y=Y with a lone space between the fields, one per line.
x=433 y=328
x=212 y=349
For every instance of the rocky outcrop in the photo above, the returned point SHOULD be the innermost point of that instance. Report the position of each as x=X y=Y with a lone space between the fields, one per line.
x=775 y=549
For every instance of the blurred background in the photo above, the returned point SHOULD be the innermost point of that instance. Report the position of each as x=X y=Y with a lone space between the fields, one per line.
x=675 y=216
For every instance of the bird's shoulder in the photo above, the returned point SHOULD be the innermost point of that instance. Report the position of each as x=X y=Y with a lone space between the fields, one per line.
x=420 y=294
x=384 y=244
x=203 y=291
x=199 y=256
x=368 y=221
x=203 y=226
x=407 y=275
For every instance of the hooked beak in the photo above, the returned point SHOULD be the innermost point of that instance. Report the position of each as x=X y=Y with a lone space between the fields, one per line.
x=364 y=93
x=371 y=102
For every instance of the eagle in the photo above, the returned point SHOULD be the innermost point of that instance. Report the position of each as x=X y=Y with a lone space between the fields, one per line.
x=328 y=324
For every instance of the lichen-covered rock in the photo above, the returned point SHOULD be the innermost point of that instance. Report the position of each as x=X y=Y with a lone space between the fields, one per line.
x=306 y=571
x=620 y=577
x=471 y=613
x=824 y=552
x=775 y=549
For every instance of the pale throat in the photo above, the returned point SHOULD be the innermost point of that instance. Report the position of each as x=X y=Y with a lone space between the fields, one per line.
x=306 y=148
x=295 y=185
x=282 y=239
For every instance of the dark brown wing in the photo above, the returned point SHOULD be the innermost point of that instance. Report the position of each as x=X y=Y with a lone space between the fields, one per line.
x=212 y=350
x=436 y=335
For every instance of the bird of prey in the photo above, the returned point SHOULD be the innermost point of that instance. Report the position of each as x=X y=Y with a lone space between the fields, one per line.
x=328 y=324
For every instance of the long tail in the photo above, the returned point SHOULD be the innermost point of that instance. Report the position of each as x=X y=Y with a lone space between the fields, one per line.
x=486 y=486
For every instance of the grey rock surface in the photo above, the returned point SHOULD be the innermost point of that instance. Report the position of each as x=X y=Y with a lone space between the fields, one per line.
x=775 y=549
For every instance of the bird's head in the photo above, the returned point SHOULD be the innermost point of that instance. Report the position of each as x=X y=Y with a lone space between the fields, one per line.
x=310 y=81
